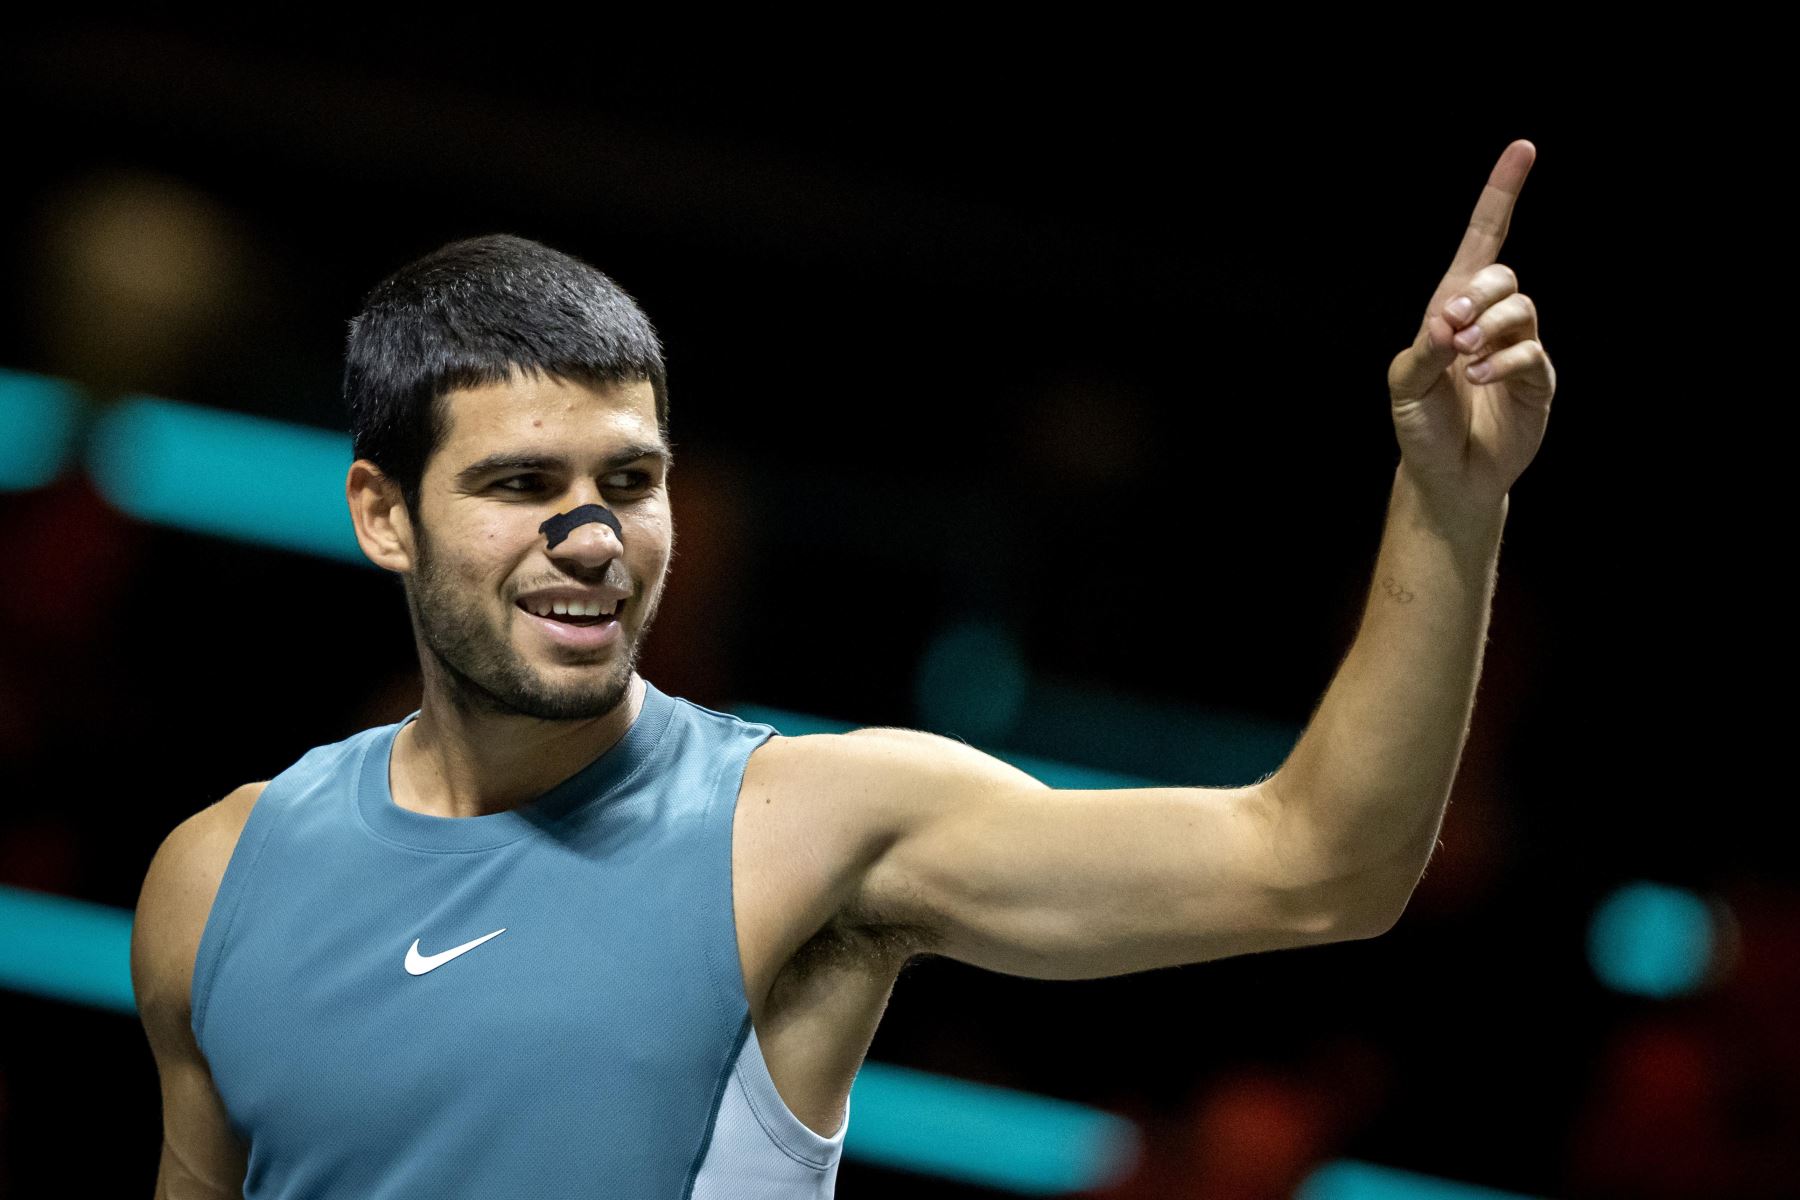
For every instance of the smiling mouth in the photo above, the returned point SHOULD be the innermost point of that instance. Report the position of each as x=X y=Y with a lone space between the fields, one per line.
x=578 y=620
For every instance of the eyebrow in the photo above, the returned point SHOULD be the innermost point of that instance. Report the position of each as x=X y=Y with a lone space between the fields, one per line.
x=513 y=461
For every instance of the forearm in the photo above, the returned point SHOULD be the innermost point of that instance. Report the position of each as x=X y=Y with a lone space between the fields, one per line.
x=1366 y=785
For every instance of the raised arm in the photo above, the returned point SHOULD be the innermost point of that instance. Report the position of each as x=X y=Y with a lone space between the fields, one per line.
x=1470 y=401
x=979 y=862
x=201 y=1158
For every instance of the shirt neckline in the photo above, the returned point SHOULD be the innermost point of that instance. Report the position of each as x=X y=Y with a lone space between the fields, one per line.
x=593 y=783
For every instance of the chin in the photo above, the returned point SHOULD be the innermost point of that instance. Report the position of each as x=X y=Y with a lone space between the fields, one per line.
x=596 y=691
x=583 y=705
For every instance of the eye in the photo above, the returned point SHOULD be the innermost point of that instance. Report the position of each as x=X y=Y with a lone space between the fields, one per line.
x=520 y=484
x=642 y=479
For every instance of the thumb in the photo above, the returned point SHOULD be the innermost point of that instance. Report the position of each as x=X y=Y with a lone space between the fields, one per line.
x=1419 y=366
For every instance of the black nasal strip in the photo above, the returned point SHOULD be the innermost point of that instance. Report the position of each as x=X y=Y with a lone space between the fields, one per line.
x=563 y=524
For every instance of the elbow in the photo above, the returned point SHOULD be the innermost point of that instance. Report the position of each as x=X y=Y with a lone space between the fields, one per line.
x=1370 y=923
x=1370 y=904
x=1349 y=893
x=1379 y=909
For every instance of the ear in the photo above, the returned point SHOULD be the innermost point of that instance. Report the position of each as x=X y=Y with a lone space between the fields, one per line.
x=383 y=527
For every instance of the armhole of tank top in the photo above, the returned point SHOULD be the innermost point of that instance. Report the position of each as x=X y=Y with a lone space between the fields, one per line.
x=792 y=1136
x=750 y=1070
x=226 y=902
x=723 y=961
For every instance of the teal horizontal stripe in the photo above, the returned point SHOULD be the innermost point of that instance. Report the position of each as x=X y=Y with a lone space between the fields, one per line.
x=66 y=949
x=986 y=1135
x=39 y=420
x=1191 y=745
x=227 y=474
x=1346 y=1179
x=1051 y=773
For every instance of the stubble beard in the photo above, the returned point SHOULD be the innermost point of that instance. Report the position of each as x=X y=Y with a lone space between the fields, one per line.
x=482 y=672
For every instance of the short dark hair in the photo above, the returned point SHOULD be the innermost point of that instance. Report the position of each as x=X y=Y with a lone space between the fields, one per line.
x=468 y=314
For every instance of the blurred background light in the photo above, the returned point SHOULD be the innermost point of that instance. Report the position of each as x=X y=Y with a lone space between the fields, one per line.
x=39 y=420
x=227 y=474
x=65 y=949
x=1649 y=939
x=985 y=1135
x=972 y=680
x=1348 y=1180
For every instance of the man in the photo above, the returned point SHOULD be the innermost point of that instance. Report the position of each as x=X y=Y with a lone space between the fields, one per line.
x=559 y=934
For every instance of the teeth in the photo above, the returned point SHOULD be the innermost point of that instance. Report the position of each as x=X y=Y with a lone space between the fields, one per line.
x=573 y=608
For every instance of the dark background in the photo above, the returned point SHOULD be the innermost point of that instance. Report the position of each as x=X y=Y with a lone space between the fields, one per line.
x=1091 y=350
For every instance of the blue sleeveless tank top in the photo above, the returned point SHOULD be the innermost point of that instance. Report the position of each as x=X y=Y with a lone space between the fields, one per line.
x=539 y=1004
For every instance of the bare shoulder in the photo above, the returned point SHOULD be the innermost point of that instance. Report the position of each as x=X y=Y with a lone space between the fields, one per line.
x=827 y=807
x=855 y=791
x=200 y=1154
x=875 y=780
x=177 y=895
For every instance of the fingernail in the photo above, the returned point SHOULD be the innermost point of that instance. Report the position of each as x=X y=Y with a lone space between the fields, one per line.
x=1460 y=308
x=1469 y=338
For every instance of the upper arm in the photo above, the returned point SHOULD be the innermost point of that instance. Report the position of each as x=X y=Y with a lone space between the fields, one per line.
x=994 y=868
x=201 y=1157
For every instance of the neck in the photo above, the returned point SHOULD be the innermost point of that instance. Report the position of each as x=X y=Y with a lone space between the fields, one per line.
x=453 y=761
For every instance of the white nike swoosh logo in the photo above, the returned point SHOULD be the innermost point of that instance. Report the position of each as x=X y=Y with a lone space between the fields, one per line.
x=418 y=964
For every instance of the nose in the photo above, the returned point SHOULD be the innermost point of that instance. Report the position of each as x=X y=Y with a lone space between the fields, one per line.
x=588 y=534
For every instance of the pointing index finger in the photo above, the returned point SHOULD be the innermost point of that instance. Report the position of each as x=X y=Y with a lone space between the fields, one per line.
x=1493 y=212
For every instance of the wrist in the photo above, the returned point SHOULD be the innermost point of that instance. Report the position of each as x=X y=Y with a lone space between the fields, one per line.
x=1450 y=511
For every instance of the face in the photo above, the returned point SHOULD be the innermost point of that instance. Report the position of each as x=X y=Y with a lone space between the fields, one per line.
x=478 y=549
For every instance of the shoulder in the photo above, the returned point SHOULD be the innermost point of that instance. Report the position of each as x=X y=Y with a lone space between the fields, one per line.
x=889 y=775
x=177 y=896
x=849 y=798
x=201 y=845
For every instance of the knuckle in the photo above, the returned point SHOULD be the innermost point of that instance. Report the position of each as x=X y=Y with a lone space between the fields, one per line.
x=1509 y=315
x=1493 y=281
x=1503 y=359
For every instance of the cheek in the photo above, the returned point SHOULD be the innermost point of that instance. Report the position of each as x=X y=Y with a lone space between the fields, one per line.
x=495 y=528
x=648 y=540
x=489 y=547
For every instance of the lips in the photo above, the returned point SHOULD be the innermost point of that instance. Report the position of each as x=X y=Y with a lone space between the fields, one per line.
x=571 y=604
x=578 y=632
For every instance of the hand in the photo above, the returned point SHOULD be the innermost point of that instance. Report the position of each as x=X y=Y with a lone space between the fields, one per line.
x=1471 y=417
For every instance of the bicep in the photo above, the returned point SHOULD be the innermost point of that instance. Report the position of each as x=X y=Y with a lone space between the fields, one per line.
x=1008 y=874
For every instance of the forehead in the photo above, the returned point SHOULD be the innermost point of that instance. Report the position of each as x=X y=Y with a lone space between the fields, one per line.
x=540 y=412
